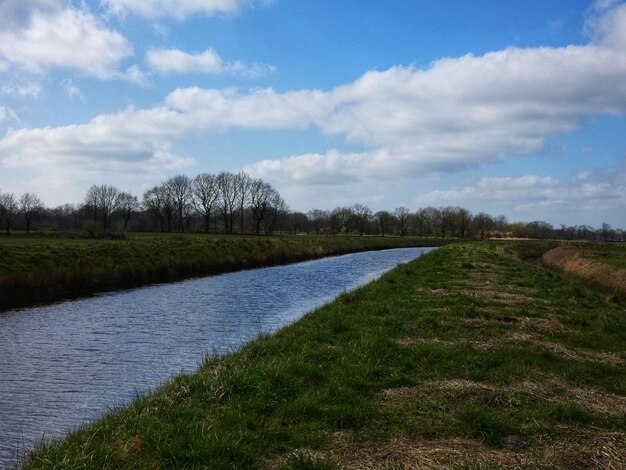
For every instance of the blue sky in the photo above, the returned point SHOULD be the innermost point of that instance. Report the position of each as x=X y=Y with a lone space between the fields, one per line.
x=512 y=107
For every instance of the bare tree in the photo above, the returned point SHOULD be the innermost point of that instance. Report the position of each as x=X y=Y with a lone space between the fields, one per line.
x=205 y=192
x=92 y=201
x=483 y=223
x=261 y=199
x=179 y=190
x=335 y=220
x=342 y=219
x=298 y=222
x=278 y=209
x=446 y=220
x=154 y=202
x=421 y=221
x=606 y=232
x=127 y=205
x=103 y=200
x=8 y=209
x=501 y=221
x=30 y=207
x=228 y=201
x=319 y=218
x=65 y=216
x=361 y=214
x=243 y=183
x=463 y=221
x=385 y=220
x=402 y=217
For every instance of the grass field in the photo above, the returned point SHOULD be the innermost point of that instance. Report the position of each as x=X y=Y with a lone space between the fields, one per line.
x=469 y=357
x=35 y=269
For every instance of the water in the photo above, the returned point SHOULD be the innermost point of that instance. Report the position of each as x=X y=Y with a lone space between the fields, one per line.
x=65 y=364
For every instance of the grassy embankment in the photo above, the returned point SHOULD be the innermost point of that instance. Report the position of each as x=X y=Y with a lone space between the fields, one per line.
x=598 y=264
x=36 y=269
x=468 y=357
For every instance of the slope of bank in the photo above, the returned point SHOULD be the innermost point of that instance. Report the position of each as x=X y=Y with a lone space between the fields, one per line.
x=43 y=269
x=467 y=358
x=604 y=267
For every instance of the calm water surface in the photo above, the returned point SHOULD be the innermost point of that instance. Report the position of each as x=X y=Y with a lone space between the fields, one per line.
x=65 y=364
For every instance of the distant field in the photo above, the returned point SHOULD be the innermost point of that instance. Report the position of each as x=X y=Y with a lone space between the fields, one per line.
x=34 y=269
x=473 y=356
x=608 y=253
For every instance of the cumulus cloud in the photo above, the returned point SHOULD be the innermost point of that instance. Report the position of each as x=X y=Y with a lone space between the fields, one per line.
x=38 y=35
x=179 y=9
x=454 y=114
x=175 y=61
x=258 y=109
x=134 y=145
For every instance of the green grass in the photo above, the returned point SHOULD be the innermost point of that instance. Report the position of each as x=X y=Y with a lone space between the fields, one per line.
x=34 y=269
x=608 y=253
x=444 y=361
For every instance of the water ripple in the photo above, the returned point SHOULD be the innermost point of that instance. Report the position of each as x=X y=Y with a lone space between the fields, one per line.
x=65 y=364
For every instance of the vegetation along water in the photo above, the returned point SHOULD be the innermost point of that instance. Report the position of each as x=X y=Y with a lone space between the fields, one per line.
x=35 y=269
x=474 y=356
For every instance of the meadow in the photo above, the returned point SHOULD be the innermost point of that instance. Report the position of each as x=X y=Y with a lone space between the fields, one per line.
x=41 y=269
x=475 y=355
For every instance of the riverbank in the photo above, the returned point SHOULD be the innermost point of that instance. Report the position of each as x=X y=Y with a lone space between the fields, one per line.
x=36 y=269
x=467 y=356
x=600 y=265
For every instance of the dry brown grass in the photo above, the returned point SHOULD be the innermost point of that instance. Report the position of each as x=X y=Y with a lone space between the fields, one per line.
x=550 y=388
x=574 y=449
x=523 y=340
x=592 y=272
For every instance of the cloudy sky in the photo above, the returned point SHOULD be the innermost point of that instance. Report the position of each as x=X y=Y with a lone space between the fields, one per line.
x=514 y=107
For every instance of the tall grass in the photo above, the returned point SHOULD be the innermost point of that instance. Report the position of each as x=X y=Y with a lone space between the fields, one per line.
x=601 y=274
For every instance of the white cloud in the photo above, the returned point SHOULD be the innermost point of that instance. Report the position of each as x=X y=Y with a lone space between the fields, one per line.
x=408 y=121
x=29 y=89
x=168 y=61
x=457 y=113
x=36 y=36
x=71 y=90
x=135 y=75
x=600 y=194
x=178 y=9
x=258 y=109
x=175 y=61
x=607 y=24
x=133 y=145
x=7 y=114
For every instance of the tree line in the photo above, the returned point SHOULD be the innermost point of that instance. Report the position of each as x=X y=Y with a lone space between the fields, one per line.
x=237 y=203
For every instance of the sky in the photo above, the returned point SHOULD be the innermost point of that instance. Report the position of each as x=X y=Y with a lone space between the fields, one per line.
x=513 y=107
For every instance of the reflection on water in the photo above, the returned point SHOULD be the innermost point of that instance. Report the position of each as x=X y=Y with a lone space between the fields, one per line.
x=67 y=363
